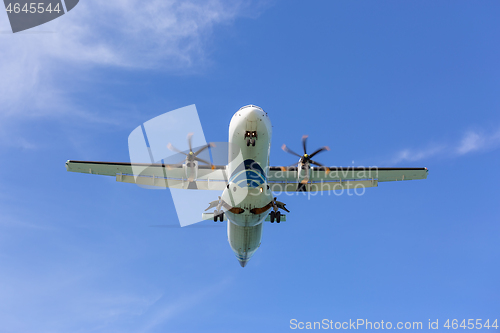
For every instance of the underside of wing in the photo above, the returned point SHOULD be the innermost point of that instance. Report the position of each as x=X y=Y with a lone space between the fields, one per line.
x=161 y=175
x=288 y=179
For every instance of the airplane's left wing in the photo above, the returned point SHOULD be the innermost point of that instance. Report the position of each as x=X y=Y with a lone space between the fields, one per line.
x=286 y=179
x=161 y=175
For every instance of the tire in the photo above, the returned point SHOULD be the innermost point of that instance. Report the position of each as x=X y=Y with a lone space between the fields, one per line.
x=253 y=142
x=272 y=216
x=248 y=142
x=278 y=217
x=221 y=217
x=216 y=212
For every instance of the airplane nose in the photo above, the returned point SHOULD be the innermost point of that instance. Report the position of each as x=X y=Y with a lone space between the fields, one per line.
x=243 y=263
x=253 y=114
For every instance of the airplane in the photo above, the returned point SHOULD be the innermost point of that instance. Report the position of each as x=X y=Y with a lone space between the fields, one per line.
x=248 y=181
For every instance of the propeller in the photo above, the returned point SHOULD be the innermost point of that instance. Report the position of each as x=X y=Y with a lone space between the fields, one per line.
x=192 y=156
x=306 y=158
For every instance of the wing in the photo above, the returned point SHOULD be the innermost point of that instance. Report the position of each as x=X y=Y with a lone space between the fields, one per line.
x=162 y=175
x=285 y=179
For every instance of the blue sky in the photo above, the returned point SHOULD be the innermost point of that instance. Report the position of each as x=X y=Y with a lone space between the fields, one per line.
x=382 y=83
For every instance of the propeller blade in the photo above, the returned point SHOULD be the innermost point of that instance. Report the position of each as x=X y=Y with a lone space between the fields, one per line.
x=202 y=160
x=304 y=139
x=202 y=149
x=316 y=163
x=171 y=147
x=288 y=150
x=190 y=137
x=319 y=151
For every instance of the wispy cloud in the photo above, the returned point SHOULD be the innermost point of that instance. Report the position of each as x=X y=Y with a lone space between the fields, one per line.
x=38 y=70
x=412 y=155
x=169 y=309
x=472 y=141
x=478 y=141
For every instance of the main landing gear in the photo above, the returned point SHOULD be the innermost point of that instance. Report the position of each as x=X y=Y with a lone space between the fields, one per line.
x=275 y=216
x=275 y=213
x=218 y=214
x=251 y=136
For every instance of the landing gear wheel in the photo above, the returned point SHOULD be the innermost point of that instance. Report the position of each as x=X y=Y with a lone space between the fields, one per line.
x=252 y=142
x=272 y=216
x=216 y=215
x=278 y=217
x=248 y=142
x=221 y=217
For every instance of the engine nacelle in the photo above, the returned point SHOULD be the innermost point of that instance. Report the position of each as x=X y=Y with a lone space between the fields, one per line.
x=190 y=170
x=303 y=170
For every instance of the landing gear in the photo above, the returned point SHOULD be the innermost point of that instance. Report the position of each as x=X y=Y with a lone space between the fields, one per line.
x=218 y=214
x=275 y=214
x=251 y=136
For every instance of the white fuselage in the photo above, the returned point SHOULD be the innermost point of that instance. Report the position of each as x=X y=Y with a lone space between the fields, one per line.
x=247 y=188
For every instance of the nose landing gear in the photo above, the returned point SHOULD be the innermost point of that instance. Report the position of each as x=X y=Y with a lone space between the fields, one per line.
x=251 y=136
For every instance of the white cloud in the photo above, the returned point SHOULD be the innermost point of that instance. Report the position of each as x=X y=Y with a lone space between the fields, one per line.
x=131 y=33
x=411 y=155
x=472 y=141
x=168 y=35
